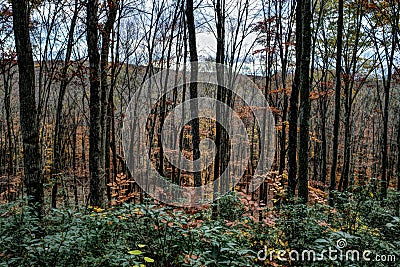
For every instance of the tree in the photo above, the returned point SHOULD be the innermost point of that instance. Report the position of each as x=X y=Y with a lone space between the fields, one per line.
x=285 y=38
x=8 y=71
x=99 y=97
x=387 y=16
x=305 y=105
x=96 y=168
x=293 y=109
x=105 y=86
x=58 y=131
x=354 y=45
x=398 y=165
x=28 y=109
x=193 y=86
x=338 y=85
x=220 y=138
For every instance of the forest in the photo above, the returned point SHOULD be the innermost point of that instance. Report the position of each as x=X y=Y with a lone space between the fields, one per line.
x=199 y=133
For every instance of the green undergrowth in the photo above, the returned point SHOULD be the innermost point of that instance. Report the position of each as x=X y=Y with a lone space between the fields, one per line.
x=156 y=235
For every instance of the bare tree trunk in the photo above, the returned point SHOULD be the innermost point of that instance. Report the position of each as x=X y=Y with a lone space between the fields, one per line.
x=8 y=75
x=283 y=54
x=96 y=155
x=105 y=88
x=193 y=86
x=385 y=179
x=336 y=123
x=344 y=178
x=305 y=105
x=28 y=110
x=58 y=132
x=293 y=109
x=75 y=185
x=398 y=168
x=221 y=95
x=398 y=139
x=111 y=114
x=350 y=71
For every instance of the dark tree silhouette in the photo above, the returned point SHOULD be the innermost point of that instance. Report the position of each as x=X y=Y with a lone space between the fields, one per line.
x=305 y=105
x=193 y=85
x=338 y=85
x=97 y=185
x=28 y=110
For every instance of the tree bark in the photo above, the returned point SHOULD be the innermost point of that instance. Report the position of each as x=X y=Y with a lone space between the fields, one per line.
x=398 y=168
x=105 y=87
x=96 y=155
x=305 y=105
x=385 y=180
x=221 y=95
x=398 y=155
x=336 y=123
x=28 y=110
x=58 y=132
x=8 y=72
x=293 y=109
x=193 y=86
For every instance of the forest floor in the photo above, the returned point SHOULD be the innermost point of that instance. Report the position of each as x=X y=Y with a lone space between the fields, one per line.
x=361 y=230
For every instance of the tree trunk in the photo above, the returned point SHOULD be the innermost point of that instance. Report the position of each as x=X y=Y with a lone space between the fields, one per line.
x=96 y=153
x=193 y=86
x=398 y=155
x=336 y=123
x=398 y=169
x=293 y=109
x=105 y=87
x=58 y=132
x=221 y=95
x=385 y=179
x=8 y=76
x=344 y=178
x=28 y=110
x=305 y=105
